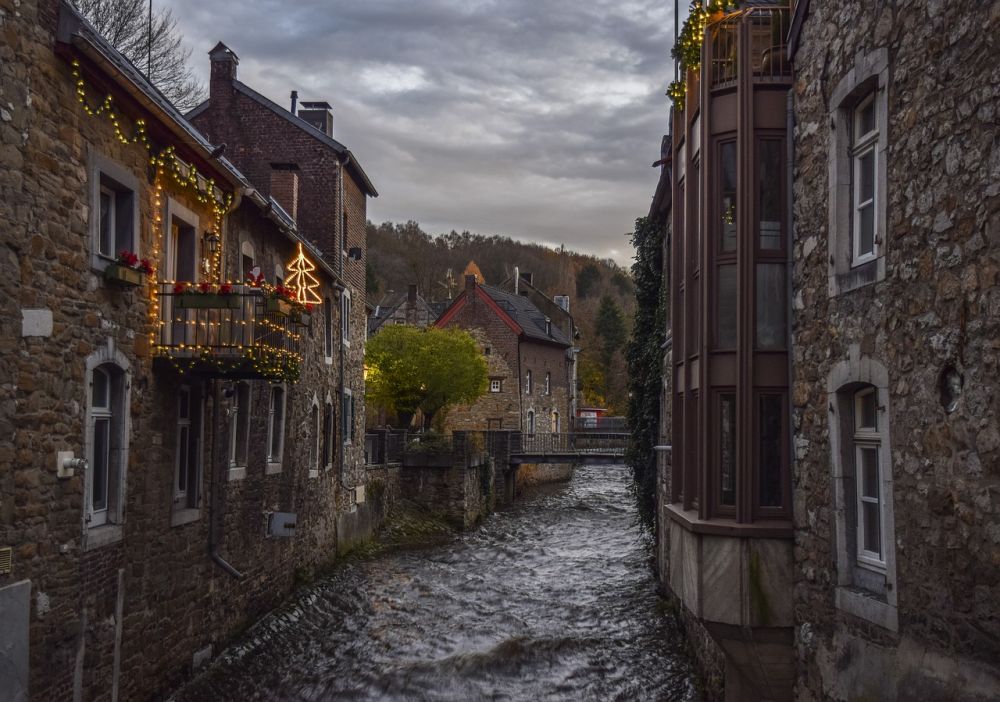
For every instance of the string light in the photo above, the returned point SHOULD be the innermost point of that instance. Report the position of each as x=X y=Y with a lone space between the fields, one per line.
x=302 y=281
x=687 y=50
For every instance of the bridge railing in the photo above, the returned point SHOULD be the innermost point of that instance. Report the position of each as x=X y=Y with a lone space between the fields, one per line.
x=573 y=443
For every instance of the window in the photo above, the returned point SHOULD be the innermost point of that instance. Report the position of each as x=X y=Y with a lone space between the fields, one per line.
x=114 y=212
x=727 y=197
x=328 y=434
x=770 y=187
x=531 y=422
x=239 y=431
x=345 y=317
x=328 y=329
x=275 y=428
x=495 y=385
x=863 y=183
x=315 y=446
x=187 y=451
x=868 y=478
x=858 y=167
x=548 y=383
x=247 y=260
x=727 y=449
x=487 y=351
x=725 y=319
x=555 y=422
x=771 y=306
x=770 y=450
x=527 y=383
x=106 y=444
x=347 y=417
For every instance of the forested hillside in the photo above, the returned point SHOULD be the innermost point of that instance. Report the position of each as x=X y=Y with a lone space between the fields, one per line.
x=602 y=298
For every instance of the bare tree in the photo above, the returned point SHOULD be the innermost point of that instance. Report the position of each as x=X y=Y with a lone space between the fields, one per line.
x=154 y=48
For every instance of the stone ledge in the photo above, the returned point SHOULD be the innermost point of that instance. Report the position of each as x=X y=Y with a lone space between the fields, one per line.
x=867 y=607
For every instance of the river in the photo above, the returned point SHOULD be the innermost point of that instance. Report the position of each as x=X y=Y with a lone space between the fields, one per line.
x=550 y=599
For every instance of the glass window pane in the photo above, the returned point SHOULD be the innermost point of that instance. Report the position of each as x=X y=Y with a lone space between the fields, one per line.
x=182 y=457
x=727 y=441
x=694 y=237
x=866 y=176
x=100 y=387
x=769 y=194
x=102 y=445
x=866 y=118
x=869 y=472
x=277 y=421
x=866 y=230
x=771 y=305
x=123 y=222
x=184 y=404
x=867 y=410
x=725 y=334
x=106 y=225
x=727 y=193
x=872 y=527
x=770 y=455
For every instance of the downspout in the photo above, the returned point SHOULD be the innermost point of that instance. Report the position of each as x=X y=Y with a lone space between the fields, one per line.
x=214 y=508
x=340 y=259
x=790 y=308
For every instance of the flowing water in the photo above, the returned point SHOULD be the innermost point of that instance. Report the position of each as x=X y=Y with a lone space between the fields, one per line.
x=551 y=599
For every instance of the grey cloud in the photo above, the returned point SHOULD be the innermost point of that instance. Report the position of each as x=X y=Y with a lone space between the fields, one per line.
x=533 y=119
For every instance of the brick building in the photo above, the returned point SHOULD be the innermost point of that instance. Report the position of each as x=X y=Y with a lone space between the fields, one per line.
x=164 y=476
x=529 y=360
x=408 y=307
x=828 y=519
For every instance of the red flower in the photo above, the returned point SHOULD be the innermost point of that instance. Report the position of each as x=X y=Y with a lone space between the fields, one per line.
x=225 y=289
x=205 y=287
x=128 y=258
x=146 y=267
x=309 y=307
x=179 y=288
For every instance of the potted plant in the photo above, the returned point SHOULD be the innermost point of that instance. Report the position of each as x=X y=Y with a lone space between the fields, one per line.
x=206 y=296
x=279 y=301
x=128 y=270
x=305 y=315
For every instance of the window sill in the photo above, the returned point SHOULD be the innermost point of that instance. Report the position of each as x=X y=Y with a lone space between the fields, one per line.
x=272 y=468
x=104 y=535
x=184 y=516
x=328 y=360
x=313 y=472
x=866 y=606
x=771 y=529
x=236 y=473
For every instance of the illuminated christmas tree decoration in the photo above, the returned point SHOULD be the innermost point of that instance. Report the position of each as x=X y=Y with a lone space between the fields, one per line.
x=302 y=280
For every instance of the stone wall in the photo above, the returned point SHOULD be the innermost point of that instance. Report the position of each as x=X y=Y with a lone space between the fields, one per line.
x=938 y=306
x=530 y=474
x=459 y=487
x=541 y=359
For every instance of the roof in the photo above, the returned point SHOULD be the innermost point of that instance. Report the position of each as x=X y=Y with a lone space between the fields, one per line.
x=530 y=318
x=352 y=161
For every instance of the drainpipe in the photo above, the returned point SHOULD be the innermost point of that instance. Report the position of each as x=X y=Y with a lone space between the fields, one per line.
x=789 y=212
x=214 y=506
x=340 y=258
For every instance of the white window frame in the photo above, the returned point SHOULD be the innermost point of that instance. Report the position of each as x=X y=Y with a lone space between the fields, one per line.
x=345 y=317
x=329 y=432
x=868 y=439
x=274 y=459
x=347 y=418
x=328 y=329
x=242 y=406
x=527 y=383
x=496 y=385
x=863 y=145
x=548 y=383
x=100 y=168
x=107 y=528
x=99 y=516
x=247 y=250
x=182 y=511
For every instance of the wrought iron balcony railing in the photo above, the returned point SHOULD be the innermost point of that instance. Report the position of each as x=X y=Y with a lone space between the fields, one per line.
x=242 y=334
x=765 y=29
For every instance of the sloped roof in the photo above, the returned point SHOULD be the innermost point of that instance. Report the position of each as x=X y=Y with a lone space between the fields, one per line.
x=530 y=318
x=297 y=121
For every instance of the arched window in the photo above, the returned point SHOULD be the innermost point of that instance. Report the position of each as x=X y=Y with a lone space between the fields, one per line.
x=555 y=422
x=531 y=422
x=315 y=446
x=527 y=383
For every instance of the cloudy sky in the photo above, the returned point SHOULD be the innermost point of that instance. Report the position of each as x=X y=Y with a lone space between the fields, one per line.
x=537 y=119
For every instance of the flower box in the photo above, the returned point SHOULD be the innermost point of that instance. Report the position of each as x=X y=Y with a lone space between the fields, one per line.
x=275 y=305
x=123 y=275
x=208 y=301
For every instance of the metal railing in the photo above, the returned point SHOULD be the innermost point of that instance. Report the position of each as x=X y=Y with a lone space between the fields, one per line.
x=593 y=425
x=241 y=332
x=766 y=31
x=385 y=446
x=604 y=443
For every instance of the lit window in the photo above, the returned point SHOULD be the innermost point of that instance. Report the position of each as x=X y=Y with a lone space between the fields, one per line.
x=495 y=385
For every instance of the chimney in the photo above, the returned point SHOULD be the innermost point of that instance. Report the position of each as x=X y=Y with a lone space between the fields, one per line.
x=470 y=283
x=319 y=115
x=526 y=277
x=224 y=62
x=411 y=294
x=285 y=187
x=517 y=279
x=295 y=99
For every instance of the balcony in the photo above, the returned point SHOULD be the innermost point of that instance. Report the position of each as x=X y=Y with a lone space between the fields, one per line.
x=243 y=334
x=764 y=30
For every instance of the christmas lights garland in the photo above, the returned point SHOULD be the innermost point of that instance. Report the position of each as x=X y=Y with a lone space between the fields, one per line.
x=687 y=50
x=265 y=359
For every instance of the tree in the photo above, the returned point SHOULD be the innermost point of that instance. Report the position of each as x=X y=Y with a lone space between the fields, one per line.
x=610 y=327
x=412 y=369
x=155 y=47
x=587 y=280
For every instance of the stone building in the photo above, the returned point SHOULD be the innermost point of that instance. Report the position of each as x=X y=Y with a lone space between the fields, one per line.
x=529 y=360
x=177 y=445
x=408 y=307
x=828 y=519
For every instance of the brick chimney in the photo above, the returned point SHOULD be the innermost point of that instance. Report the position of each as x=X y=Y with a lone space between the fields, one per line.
x=319 y=115
x=411 y=294
x=224 y=62
x=470 y=283
x=285 y=187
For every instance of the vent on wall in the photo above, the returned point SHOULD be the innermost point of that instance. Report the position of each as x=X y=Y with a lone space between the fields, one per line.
x=6 y=555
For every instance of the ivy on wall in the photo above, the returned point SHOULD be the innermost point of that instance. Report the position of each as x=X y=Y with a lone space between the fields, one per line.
x=644 y=356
